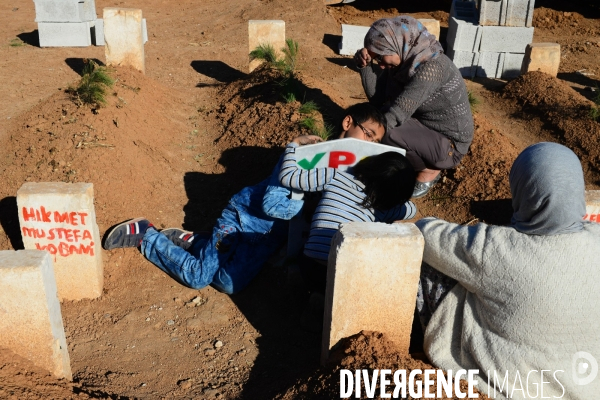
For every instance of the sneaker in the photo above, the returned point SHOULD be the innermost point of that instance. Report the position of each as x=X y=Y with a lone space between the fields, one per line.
x=422 y=188
x=127 y=234
x=183 y=239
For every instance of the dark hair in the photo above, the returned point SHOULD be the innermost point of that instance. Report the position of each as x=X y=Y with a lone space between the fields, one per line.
x=361 y=113
x=389 y=180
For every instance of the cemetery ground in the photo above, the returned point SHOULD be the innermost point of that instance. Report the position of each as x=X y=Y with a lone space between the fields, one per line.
x=173 y=145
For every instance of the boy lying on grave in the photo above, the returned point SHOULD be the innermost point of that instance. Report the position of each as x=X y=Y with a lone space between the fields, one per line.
x=242 y=240
x=250 y=230
x=376 y=189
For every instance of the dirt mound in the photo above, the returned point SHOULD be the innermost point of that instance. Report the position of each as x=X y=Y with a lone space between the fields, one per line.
x=477 y=190
x=23 y=380
x=130 y=154
x=366 y=350
x=564 y=112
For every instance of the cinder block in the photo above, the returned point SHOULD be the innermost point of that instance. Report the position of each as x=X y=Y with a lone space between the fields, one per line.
x=98 y=32
x=31 y=323
x=432 y=26
x=492 y=12
x=353 y=39
x=465 y=10
x=144 y=31
x=64 y=34
x=505 y=39
x=490 y=65
x=372 y=279
x=265 y=32
x=353 y=36
x=88 y=10
x=124 y=38
x=65 y=10
x=60 y=218
x=592 y=205
x=543 y=57
x=512 y=65
x=519 y=13
x=465 y=61
x=463 y=35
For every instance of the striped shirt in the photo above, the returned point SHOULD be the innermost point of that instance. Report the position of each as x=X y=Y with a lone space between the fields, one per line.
x=340 y=203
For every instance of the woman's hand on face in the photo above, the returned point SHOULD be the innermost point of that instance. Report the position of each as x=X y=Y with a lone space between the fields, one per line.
x=307 y=139
x=362 y=58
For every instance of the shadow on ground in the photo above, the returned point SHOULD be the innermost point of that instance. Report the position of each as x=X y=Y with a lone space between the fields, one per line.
x=493 y=212
x=587 y=8
x=274 y=308
x=31 y=38
x=217 y=70
x=400 y=6
x=77 y=64
x=9 y=219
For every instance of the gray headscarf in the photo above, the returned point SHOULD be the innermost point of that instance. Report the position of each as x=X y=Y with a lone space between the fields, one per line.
x=546 y=181
x=406 y=37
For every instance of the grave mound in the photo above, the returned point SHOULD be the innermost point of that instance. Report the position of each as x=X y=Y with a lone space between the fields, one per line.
x=133 y=150
x=365 y=350
x=564 y=112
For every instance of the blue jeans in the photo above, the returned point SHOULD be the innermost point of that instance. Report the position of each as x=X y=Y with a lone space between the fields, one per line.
x=242 y=240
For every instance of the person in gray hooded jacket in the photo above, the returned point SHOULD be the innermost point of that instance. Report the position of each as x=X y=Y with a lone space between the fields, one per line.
x=523 y=300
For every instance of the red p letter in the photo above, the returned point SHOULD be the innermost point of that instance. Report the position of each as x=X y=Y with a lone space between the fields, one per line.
x=337 y=158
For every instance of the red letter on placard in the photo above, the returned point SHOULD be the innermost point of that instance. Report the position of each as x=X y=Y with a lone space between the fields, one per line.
x=337 y=158
x=28 y=214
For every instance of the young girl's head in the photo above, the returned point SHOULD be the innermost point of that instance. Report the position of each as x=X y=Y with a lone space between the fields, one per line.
x=389 y=180
x=362 y=121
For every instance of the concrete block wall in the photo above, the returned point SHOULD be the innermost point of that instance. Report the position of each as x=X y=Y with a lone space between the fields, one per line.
x=500 y=35
x=507 y=39
x=64 y=34
x=65 y=23
x=59 y=218
x=465 y=10
x=506 y=12
x=372 y=280
x=65 y=10
x=353 y=36
x=31 y=322
x=463 y=35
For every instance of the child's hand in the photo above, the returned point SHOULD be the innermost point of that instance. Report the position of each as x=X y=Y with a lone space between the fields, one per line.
x=307 y=139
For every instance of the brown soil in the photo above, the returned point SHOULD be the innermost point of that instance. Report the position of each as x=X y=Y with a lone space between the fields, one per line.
x=175 y=144
x=365 y=350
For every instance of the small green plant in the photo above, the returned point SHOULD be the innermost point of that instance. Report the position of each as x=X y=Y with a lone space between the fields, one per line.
x=311 y=124
x=93 y=84
x=264 y=52
x=16 y=42
x=594 y=113
x=290 y=52
x=308 y=108
x=289 y=97
x=325 y=132
x=473 y=101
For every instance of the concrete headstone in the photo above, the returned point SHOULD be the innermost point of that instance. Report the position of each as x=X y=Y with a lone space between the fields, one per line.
x=372 y=280
x=31 y=322
x=124 y=38
x=265 y=32
x=60 y=218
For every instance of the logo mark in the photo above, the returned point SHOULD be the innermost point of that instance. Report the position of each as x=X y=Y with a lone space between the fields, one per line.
x=584 y=368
